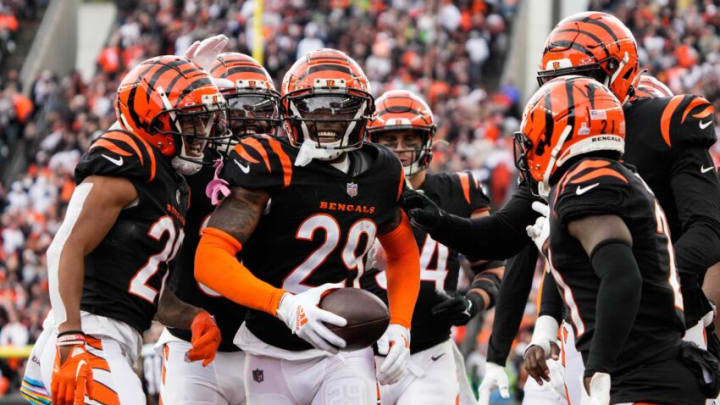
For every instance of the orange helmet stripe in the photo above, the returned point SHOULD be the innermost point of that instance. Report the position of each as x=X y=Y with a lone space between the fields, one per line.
x=667 y=116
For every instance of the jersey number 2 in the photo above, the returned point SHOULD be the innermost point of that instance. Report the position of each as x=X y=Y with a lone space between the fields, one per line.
x=138 y=284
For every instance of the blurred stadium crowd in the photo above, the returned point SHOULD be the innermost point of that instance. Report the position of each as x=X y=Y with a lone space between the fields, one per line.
x=451 y=52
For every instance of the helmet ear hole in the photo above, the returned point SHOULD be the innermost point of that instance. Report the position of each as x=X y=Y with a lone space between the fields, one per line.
x=612 y=64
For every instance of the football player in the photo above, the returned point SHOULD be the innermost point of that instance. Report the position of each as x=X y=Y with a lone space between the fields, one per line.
x=252 y=109
x=668 y=141
x=609 y=247
x=404 y=123
x=108 y=261
x=303 y=212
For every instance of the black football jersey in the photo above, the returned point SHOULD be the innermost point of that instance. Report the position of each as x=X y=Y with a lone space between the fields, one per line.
x=126 y=272
x=459 y=194
x=228 y=314
x=668 y=136
x=605 y=187
x=319 y=222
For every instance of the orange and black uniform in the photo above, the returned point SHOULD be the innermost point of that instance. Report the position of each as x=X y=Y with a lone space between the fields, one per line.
x=457 y=193
x=126 y=271
x=318 y=223
x=646 y=365
x=182 y=282
x=667 y=141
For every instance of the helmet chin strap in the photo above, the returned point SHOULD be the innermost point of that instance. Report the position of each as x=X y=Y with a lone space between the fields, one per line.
x=544 y=186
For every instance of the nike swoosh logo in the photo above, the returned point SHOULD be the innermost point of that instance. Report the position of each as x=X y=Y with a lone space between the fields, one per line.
x=704 y=125
x=245 y=168
x=704 y=169
x=435 y=358
x=583 y=190
x=117 y=162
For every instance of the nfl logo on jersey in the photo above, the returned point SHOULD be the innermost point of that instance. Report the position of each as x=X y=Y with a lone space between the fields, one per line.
x=258 y=375
x=352 y=189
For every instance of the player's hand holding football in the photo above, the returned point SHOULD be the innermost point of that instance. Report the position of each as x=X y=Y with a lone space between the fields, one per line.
x=540 y=231
x=423 y=211
x=395 y=346
x=596 y=389
x=302 y=315
x=495 y=377
x=457 y=308
x=205 y=338
x=72 y=376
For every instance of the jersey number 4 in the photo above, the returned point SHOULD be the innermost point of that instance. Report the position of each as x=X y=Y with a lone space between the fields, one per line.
x=139 y=283
x=295 y=281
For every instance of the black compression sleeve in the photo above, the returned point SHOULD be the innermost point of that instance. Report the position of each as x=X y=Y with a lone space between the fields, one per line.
x=551 y=302
x=498 y=236
x=510 y=305
x=617 y=303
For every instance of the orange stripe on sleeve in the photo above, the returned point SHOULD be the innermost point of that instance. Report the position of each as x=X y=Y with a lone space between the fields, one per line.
x=698 y=101
x=599 y=173
x=243 y=154
x=217 y=268
x=149 y=150
x=401 y=184
x=125 y=138
x=667 y=116
x=104 y=143
x=287 y=166
x=709 y=110
x=585 y=164
x=402 y=271
x=465 y=184
x=255 y=144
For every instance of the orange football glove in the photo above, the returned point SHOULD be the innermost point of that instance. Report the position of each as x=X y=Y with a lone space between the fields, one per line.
x=72 y=376
x=205 y=339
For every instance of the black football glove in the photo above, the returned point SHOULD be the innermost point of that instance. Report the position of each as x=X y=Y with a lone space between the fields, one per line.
x=423 y=211
x=457 y=308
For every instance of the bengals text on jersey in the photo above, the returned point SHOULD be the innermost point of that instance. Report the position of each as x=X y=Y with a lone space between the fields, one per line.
x=319 y=222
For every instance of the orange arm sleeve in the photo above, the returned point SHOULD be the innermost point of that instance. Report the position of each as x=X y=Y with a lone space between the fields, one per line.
x=403 y=271
x=217 y=268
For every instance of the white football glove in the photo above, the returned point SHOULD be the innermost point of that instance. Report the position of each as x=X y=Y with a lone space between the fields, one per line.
x=599 y=390
x=394 y=344
x=540 y=231
x=204 y=53
x=304 y=318
x=495 y=377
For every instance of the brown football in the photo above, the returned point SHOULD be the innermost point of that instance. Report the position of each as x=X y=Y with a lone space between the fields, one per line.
x=367 y=316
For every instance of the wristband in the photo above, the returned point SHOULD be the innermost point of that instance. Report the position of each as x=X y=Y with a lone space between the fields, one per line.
x=70 y=339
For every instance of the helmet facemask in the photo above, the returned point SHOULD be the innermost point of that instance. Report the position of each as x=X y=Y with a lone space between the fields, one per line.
x=414 y=158
x=329 y=122
x=194 y=128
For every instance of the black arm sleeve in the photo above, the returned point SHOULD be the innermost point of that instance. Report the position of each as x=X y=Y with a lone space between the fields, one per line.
x=551 y=302
x=697 y=196
x=498 y=236
x=510 y=305
x=618 y=302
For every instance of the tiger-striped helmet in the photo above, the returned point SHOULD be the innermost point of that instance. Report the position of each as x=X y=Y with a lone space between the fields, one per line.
x=326 y=100
x=174 y=105
x=592 y=44
x=401 y=110
x=650 y=87
x=253 y=102
x=567 y=117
